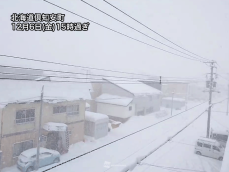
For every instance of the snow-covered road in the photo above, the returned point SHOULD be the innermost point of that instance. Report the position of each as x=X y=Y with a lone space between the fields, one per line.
x=125 y=151
x=179 y=153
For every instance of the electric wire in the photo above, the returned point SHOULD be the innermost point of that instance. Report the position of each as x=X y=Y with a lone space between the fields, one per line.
x=136 y=29
x=119 y=32
x=151 y=29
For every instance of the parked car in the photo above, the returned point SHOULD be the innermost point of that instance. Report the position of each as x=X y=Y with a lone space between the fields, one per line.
x=27 y=159
x=209 y=147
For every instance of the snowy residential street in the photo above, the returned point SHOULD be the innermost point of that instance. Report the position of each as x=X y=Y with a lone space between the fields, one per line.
x=114 y=86
x=123 y=152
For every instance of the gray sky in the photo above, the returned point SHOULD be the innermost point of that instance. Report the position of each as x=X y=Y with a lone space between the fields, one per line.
x=199 y=26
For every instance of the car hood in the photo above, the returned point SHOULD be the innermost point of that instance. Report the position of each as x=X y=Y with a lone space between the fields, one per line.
x=23 y=159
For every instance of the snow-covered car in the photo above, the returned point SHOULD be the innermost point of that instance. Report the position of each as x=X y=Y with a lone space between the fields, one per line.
x=27 y=159
x=210 y=148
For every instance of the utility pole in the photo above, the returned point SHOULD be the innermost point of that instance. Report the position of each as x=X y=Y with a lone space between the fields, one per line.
x=39 y=130
x=228 y=100
x=186 y=105
x=172 y=104
x=210 y=98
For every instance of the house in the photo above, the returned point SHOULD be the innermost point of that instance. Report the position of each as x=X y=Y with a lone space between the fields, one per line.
x=116 y=107
x=96 y=125
x=121 y=99
x=63 y=105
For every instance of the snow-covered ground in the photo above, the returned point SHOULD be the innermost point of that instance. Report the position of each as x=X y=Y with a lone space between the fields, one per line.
x=125 y=151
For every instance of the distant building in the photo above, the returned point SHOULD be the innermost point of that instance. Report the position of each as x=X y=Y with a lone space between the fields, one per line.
x=123 y=99
x=180 y=89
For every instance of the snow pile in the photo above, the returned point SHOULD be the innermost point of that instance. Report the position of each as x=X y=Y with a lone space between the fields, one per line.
x=95 y=117
x=135 y=87
x=30 y=152
x=113 y=99
x=51 y=126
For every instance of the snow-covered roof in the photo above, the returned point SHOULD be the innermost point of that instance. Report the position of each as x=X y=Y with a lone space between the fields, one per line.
x=51 y=126
x=113 y=99
x=174 y=99
x=95 y=117
x=135 y=87
x=31 y=152
x=14 y=91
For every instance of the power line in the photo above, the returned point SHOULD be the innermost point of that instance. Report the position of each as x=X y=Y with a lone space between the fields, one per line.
x=173 y=136
x=61 y=81
x=136 y=29
x=55 y=76
x=66 y=72
x=70 y=65
x=151 y=29
x=171 y=168
x=119 y=32
x=139 y=79
x=112 y=76
x=121 y=138
x=71 y=77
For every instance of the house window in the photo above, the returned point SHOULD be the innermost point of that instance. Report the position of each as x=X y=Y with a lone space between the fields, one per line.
x=59 y=109
x=130 y=108
x=73 y=110
x=22 y=146
x=25 y=116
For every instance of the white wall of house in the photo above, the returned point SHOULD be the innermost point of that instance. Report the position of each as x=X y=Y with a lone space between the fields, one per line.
x=115 y=110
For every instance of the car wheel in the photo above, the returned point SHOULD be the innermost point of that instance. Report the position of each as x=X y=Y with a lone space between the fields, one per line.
x=29 y=169
x=56 y=160
x=198 y=153
x=221 y=158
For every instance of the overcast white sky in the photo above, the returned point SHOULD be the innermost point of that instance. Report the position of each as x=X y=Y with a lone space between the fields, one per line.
x=200 y=26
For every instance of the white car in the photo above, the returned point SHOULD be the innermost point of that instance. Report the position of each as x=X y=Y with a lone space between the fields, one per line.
x=27 y=159
x=209 y=147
